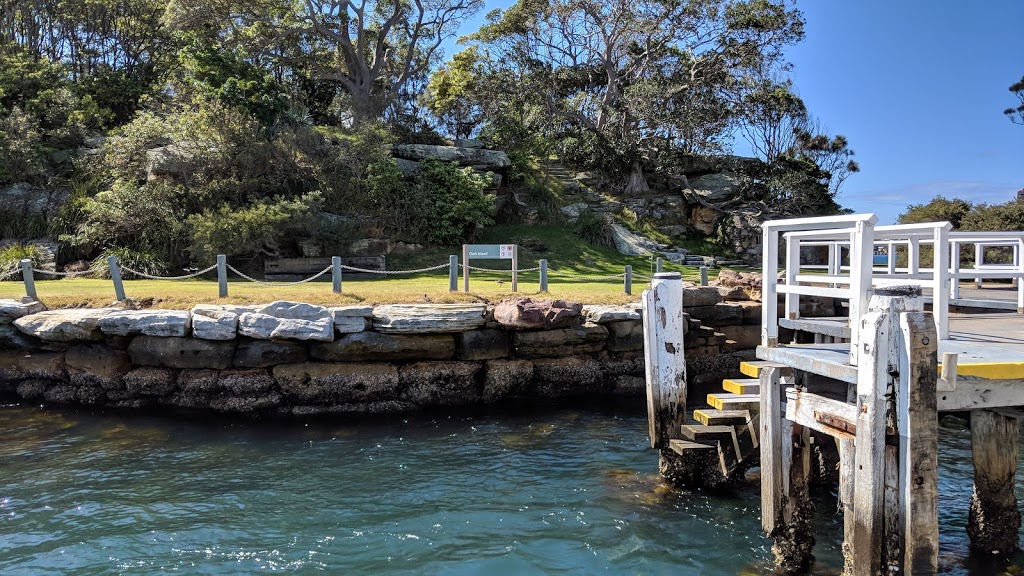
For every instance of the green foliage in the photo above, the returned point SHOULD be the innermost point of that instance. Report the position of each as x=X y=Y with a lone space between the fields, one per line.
x=1016 y=113
x=939 y=209
x=453 y=93
x=256 y=229
x=594 y=228
x=236 y=83
x=443 y=204
x=11 y=256
x=130 y=258
x=15 y=224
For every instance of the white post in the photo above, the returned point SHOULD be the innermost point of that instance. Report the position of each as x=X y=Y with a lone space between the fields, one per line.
x=940 y=280
x=861 y=241
x=336 y=274
x=792 y=269
x=979 y=257
x=222 y=275
x=914 y=256
x=465 y=267
x=453 y=273
x=891 y=258
x=1018 y=259
x=30 y=281
x=115 y=276
x=664 y=361
x=769 y=290
x=544 y=275
x=954 y=275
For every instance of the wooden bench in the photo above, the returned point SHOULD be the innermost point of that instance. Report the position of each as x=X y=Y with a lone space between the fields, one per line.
x=295 y=269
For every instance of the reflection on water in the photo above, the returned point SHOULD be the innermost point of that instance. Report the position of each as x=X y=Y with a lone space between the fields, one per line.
x=573 y=492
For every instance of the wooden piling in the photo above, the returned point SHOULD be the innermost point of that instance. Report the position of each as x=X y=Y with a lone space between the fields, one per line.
x=663 y=357
x=993 y=522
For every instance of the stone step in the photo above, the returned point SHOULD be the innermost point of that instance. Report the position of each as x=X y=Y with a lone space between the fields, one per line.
x=742 y=385
x=729 y=401
x=713 y=417
x=753 y=368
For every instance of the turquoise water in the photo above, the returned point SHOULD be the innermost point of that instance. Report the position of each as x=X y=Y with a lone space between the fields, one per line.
x=566 y=492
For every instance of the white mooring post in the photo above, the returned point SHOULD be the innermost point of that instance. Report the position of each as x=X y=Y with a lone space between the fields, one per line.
x=30 y=281
x=663 y=357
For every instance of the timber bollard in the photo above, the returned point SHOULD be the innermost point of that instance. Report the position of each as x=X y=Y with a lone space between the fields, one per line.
x=664 y=361
x=115 y=275
x=30 y=281
x=544 y=275
x=659 y=264
x=628 y=280
x=222 y=276
x=453 y=273
x=336 y=274
x=703 y=275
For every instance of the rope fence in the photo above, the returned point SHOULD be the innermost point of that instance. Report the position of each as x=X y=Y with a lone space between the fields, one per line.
x=336 y=270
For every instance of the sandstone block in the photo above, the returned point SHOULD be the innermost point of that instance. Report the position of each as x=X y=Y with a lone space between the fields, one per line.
x=349 y=324
x=201 y=381
x=372 y=346
x=11 y=310
x=600 y=314
x=530 y=314
x=97 y=364
x=150 y=381
x=264 y=353
x=355 y=311
x=483 y=344
x=211 y=322
x=316 y=382
x=148 y=322
x=18 y=365
x=588 y=338
x=245 y=382
x=288 y=320
x=507 y=379
x=247 y=404
x=559 y=377
x=181 y=353
x=747 y=336
x=625 y=336
x=700 y=296
x=718 y=315
x=440 y=383
x=428 y=318
x=13 y=339
x=64 y=325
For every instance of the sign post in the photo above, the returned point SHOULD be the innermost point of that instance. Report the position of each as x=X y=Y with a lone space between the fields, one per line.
x=490 y=252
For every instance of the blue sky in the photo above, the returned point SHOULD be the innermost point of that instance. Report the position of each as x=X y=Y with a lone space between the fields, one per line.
x=918 y=87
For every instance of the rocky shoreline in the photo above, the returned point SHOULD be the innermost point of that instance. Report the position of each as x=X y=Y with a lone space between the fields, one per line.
x=296 y=359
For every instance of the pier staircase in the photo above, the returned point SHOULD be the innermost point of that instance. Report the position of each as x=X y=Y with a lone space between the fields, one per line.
x=729 y=425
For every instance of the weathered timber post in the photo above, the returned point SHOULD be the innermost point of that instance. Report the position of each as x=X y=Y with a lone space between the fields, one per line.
x=658 y=265
x=544 y=275
x=664 y=361
x=786 y=508
x=919 y=442
x=847 y=463
x=115 y=277
x=703 y=275
x=453 y=273
x=627 y=280
x=994 y=520
x=336 y=274
x=30 y=281
x=222 y=276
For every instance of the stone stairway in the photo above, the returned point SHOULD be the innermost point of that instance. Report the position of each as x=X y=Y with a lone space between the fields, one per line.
x=729 y=425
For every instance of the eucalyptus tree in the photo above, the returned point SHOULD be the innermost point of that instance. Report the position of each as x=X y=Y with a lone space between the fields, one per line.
x=641 y=76
x=1016 y=113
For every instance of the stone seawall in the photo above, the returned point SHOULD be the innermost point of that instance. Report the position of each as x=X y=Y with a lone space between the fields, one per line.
x=296 y=359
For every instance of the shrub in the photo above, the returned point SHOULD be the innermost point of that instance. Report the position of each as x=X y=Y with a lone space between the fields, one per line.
x=256 y=229
x=594 y=228
x=12 y=255
x=128 y=258
x=455 y=202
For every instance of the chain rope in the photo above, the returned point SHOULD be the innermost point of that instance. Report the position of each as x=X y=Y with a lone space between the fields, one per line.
x=182 y=277
x=502 y=270
x=63 y=274
x=391 y=272
x=251 y=279
x=10 y=273
x=586 y=278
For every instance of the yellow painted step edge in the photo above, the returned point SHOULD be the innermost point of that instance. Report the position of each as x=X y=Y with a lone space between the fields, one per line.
x=736 y=387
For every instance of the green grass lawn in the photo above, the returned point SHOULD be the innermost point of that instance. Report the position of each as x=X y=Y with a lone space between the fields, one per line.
x=565 y=253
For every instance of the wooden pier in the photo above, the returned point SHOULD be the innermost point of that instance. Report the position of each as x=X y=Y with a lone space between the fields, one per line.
x=868 y=389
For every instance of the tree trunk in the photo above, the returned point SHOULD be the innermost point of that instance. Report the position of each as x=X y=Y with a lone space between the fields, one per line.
x=637 y=181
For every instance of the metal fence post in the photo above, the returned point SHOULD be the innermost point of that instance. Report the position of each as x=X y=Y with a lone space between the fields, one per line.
x=703 y=275
x=30 y=282
x=659 y=265
x=336 y=273
x=222 y=275
x=115 y=275
x=544 y=275
x=453 y=273
x=628 y=281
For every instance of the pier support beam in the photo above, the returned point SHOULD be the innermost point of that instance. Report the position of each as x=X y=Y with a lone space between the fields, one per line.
x=994 y=520
x=794 y=543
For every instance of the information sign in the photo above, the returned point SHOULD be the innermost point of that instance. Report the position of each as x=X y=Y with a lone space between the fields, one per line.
x=490 y=252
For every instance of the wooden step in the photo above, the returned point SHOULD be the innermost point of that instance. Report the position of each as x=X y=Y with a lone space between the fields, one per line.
x=727 y=401
x=702 y=433
x=712 y=417
x=742 y=385
x=753 y=368
x=681 y=446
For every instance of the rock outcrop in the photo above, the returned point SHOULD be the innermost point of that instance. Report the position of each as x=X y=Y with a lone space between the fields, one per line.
x=478 y=158
x=530 y=314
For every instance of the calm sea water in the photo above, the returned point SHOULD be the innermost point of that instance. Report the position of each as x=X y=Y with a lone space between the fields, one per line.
x=567 y=492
